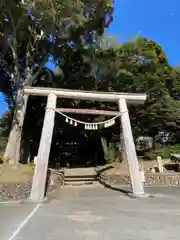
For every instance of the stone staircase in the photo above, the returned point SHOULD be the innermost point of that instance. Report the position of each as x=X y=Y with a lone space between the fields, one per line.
x=80 y=176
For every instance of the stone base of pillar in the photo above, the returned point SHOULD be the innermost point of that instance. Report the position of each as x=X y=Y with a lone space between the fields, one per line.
x=42 y=201
x=139 y=196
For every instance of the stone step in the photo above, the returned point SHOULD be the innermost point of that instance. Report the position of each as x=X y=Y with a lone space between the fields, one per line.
x=79 y=179
x=79 y=183
x=80 y=172
x=80 y=176
x=84 y=185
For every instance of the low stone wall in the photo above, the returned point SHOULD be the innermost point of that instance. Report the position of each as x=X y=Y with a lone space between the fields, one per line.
x=21 y=191
x=162 y=179
x=115 y=179
x=152 y=179
x=14 y=191
x=55 y=178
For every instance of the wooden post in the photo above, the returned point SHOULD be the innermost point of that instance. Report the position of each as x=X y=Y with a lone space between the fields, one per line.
x=134 y=170
x=40 y=174
x=159 y=163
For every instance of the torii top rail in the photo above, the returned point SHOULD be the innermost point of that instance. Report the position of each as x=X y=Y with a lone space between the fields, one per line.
x=40 y=174
x=134 y=98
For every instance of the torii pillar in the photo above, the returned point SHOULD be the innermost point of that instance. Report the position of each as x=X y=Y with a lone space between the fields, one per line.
x=41 y=168
x=130 y=150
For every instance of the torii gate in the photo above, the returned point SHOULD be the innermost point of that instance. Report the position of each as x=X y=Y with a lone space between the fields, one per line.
x=122 y=99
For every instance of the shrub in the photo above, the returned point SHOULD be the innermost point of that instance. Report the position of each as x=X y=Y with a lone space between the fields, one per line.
x=3 y=160
x=163 y=152
x=149 y=156
x=109 y=151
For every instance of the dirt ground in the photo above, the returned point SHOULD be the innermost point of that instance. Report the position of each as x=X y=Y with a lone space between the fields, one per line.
x=23 y=173
x=20 y=173
x=122 y=168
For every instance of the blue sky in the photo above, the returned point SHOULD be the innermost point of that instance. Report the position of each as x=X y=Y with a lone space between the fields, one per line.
x=156 y=19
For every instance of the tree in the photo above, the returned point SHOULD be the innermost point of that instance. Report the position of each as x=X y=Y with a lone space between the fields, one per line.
x=30 y=32
x=144 y=68
x=86 y=60
x=137 y=66
x=78 y=70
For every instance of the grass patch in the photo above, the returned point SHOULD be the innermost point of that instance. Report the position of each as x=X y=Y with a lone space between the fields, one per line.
x=15 y=174
x=164 y=152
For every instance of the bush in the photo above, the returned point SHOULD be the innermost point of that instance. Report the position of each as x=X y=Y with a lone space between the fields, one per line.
x=109 y=151
x=3 y=160
x=174 y=148
x=149 y=156
x=163 y=152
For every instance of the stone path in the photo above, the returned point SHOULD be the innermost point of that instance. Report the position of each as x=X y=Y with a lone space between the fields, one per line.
x=94 y=213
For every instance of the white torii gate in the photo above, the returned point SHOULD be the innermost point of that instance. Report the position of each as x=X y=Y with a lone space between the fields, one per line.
x=122 y=99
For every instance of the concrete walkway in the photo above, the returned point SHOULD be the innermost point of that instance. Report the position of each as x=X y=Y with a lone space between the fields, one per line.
x=93 y=213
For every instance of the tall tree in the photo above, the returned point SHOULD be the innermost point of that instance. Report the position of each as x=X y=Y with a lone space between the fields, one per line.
x=145 y=68
x=30 y=31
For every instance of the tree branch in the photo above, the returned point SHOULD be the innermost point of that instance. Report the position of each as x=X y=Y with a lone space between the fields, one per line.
x=13 y=47
x=40 y=67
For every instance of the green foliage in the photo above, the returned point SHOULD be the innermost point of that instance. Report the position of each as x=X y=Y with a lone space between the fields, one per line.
x=3 y=142
x=85 y=59
x=3 y=160
x=163 y=152
x=109 y=151
x=31 y=165
x=42 y=28
x=129 y=68
x=149 y=156
x=146 y=69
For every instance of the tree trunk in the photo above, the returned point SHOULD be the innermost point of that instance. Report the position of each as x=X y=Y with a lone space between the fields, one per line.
x=154 y=142
x=26 y=152
x=12 y=151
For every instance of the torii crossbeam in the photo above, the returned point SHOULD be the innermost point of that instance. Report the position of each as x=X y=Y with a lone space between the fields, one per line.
x=122 y=99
